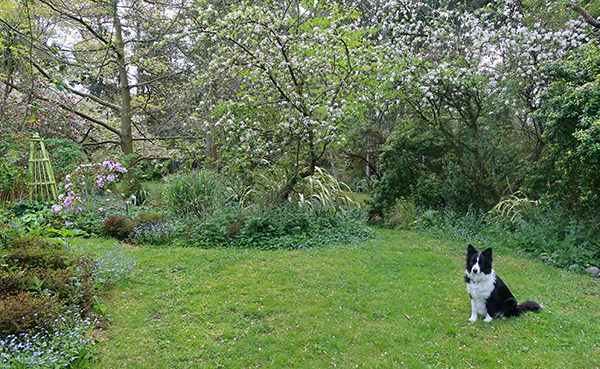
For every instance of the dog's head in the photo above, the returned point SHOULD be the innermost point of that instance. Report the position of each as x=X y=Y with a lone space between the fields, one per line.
x=478 y=263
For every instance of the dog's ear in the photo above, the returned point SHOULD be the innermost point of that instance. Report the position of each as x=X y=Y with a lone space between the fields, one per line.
x=488 y=252
x=471 y=250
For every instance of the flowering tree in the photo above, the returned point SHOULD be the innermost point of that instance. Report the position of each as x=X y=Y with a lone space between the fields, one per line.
x=471 y=79
x=294 y=70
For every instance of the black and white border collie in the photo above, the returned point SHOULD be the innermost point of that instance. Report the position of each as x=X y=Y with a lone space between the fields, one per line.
x=490 y=297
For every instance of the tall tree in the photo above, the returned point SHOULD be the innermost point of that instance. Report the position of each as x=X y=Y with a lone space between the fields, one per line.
x=86 y=43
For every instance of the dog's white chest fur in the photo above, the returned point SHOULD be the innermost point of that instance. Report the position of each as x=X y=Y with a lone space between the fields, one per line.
x=481 y=285
x=480 y=288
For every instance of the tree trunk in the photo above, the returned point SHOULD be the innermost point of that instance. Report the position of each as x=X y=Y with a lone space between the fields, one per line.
x=125 y=136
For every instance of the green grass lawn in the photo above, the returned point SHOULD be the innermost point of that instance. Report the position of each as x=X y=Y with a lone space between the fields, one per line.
x=398 y=301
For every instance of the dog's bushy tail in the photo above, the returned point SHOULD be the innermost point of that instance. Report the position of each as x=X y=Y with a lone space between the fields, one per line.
x=528 y=306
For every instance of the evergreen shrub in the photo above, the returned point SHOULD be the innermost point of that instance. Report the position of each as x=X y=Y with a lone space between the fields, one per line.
x=117 y=226
x=24 y=312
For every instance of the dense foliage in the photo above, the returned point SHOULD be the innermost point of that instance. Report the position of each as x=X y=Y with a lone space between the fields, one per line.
x=570 y=110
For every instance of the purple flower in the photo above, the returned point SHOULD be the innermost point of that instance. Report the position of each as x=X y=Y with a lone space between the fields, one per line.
x=100 y=181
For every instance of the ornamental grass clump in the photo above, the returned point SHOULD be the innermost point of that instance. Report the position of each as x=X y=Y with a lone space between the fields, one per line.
x=198 y=193
x=401 y=215
x=324 y=190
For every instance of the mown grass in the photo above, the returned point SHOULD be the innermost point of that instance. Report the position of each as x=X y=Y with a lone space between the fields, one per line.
x=398 y=301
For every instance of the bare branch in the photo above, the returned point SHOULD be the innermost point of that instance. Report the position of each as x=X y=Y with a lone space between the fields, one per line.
x=79 y=93
x=586 y=16
x=68 y=108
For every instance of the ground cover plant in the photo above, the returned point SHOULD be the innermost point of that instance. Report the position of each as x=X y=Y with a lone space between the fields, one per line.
x=559 y=236
x=396 y=301
x=49 y=301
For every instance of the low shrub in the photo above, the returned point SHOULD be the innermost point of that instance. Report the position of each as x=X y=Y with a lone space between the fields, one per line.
x=31 y=242
x=45 y=306
x=38 y=258
x=13 y=281
x=25 y=312
x=117 y=226
x=40 y=269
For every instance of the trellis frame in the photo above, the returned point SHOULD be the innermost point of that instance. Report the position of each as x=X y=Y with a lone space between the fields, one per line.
x=40 y=179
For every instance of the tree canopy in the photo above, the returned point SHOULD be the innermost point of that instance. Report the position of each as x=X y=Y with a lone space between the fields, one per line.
x=464 y=92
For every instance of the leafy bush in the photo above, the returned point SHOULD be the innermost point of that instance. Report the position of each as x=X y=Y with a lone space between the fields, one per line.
x=37 y=258
x=65 y=155
x=569 y=111
x=27 y=218
x=33 y=268
x=13 y=281
x=31 y=242
x=558 y=234
x=44 y=311
x=12 y=181
x=117 y=226
x=146 y=219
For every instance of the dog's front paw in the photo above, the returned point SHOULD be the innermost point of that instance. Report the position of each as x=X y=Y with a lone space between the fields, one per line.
x=488 y=319
x=473 y=318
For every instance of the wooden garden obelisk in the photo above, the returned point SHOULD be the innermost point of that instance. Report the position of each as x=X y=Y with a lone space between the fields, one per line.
x=40 y=177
